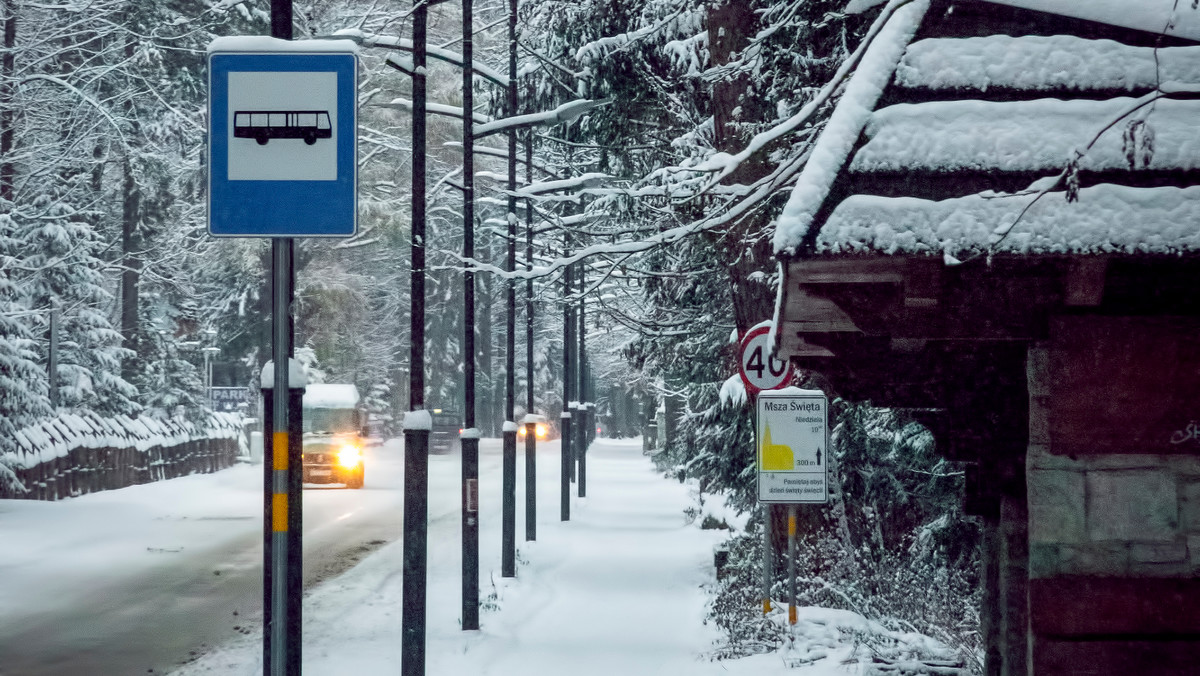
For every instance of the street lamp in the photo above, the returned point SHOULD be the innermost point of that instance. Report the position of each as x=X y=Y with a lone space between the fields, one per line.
x=209 y=353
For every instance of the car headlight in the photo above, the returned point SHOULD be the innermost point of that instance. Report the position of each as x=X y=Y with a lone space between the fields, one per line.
x=349 y=456
x=541 y=431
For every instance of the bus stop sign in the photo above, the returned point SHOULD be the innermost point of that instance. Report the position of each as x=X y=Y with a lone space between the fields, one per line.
x=282 y=158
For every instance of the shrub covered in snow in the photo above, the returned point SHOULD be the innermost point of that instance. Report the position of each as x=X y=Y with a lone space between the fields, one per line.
x=892 y=549
x=878 y=608
x=76 y=449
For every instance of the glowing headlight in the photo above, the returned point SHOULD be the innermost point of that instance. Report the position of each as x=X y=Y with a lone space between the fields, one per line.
x=349 y=456
x=541 y=431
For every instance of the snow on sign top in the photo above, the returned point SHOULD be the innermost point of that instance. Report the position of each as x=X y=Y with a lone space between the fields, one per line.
x=262 y=43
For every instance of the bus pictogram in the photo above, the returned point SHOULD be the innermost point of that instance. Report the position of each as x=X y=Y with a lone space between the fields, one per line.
x=264 y=125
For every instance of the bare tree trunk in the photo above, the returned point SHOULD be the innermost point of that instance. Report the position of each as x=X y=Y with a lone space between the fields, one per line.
x=131 y=265
x=730 y=26
x=131 y=251
x=7 y=116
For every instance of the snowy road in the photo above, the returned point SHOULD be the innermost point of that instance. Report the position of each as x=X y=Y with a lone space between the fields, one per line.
x=139 y=580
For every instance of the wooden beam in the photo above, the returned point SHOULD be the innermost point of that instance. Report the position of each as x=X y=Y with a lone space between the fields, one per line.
x=922 y=282
x=873 y=270
x=792 y=344
x=810 y=313
x=1083 y=284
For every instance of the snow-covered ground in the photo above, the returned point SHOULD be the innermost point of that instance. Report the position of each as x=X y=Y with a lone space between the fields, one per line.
x=620 y=589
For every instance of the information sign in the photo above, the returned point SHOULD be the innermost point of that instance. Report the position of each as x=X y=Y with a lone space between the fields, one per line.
x=282 y=140
x=793 y=446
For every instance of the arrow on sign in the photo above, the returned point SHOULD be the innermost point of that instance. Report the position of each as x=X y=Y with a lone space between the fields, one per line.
x=818 y=455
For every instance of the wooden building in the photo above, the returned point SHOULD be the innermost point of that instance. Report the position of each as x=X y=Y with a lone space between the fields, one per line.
x=1000 y=226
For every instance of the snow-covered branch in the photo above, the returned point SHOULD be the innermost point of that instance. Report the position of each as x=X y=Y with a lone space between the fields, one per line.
x=365 y=39
x=724 y=164
x=564 y=113
x=432 y=108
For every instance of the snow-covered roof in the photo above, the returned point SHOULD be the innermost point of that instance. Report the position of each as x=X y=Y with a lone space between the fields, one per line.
x=921 y=162
x=845 y=124
x=331 y=395
x=1022 y=136
x=1173 y=17
x=1106 y=219
x=1038 y=63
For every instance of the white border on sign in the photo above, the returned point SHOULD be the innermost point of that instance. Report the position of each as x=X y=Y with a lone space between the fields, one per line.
x=795 y=423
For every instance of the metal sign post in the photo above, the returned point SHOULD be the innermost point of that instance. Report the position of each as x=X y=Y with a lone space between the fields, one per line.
x=282 y=163
x=792 y=439
x=760 y=370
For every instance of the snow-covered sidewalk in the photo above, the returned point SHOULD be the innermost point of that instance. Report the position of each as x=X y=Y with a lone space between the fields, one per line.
x=616 y=590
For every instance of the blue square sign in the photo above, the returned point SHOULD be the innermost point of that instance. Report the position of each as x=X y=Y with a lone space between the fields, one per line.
x=282 y=145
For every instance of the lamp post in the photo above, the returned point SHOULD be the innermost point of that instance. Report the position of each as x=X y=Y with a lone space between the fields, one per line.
x=209 y=353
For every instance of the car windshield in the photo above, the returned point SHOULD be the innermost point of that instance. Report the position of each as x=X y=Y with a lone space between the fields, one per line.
x=334 y=420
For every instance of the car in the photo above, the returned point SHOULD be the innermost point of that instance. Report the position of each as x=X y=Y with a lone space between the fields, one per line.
x=543 y=429
x=333 y=422
x=445 y=431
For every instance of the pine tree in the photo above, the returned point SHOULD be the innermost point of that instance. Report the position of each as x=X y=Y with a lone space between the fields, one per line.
x=23 y=393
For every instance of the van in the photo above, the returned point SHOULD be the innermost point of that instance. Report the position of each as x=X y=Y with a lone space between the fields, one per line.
x=334 y=435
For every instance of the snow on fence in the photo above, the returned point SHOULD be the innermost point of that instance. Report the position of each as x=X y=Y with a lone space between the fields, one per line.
x=72 y=455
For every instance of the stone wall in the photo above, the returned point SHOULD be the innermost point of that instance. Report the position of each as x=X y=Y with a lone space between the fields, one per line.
x=1114 y=523
x=1113 y=515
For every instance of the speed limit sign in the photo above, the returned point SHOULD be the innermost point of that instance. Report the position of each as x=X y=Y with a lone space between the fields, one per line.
x=759 y=369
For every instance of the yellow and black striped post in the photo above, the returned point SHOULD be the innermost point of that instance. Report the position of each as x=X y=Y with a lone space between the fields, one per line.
x=282 y=529
x=792 y=563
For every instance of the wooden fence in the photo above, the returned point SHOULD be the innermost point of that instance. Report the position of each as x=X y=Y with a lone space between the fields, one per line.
x=73 y=455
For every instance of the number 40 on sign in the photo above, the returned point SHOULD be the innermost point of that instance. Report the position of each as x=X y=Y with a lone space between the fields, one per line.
x=759 y=368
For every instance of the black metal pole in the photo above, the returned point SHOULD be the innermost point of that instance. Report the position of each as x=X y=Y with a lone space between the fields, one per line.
x=416 y=437
x=294 y=584
x=581 y=451
x=567 y=457
x=281 y=549
x=470 y=440
x=52 y=362
x=530 y=427
x=508 y=555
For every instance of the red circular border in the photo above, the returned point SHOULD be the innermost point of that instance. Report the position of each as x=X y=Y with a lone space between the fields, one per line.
x=751 y=388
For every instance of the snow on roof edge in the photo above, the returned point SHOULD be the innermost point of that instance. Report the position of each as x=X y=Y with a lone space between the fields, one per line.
x=1106 y=219
x=1151 y=16
x=845 y=125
